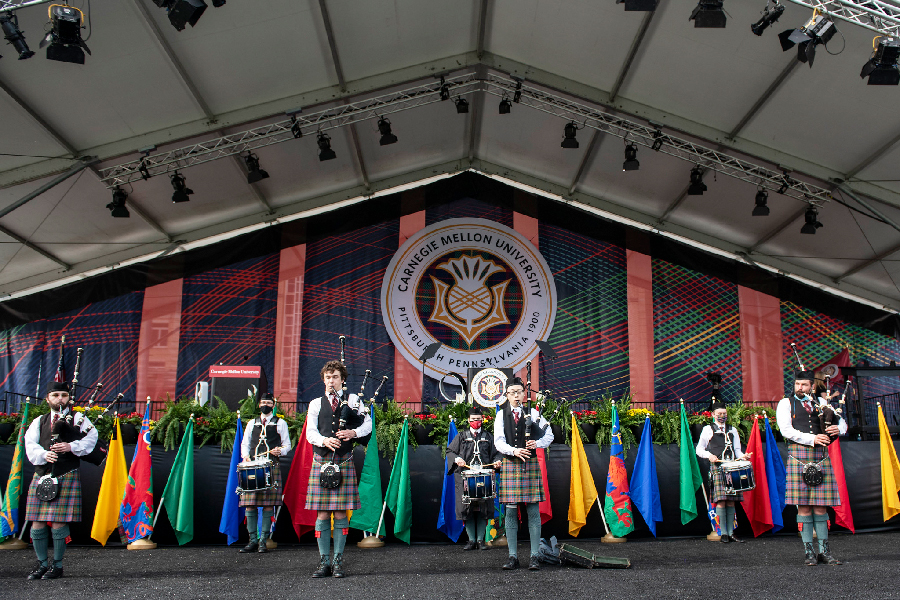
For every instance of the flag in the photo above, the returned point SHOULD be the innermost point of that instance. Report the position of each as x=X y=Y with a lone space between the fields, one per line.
x=367 y=517
x=399 y=490
x=843 y=515
x=890 y=470
x=447 y=521
x=689 y=478
x=61 y=365
x=136 y=515
x=582 y=491
x=232 y=512
x=302 y=518
x=776 y=477
x=841 y=359
x=757 y=502
x=112 y=488
x=644 y=484
x=714 y=518
x=9 y=515
x=617 y=507
x=544 y=507
x=178 y=495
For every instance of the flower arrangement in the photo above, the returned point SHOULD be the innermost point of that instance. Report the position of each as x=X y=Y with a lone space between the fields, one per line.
x=12 y=418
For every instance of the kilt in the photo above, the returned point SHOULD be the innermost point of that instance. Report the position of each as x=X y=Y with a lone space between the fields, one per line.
x=269 y=497
x=797 y=491
x=344 y=497
x=65 y=508
x=520 y=482
x=717 y=487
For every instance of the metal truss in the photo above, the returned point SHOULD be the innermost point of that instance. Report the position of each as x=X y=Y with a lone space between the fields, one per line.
x=10 y=5
x=880 y=16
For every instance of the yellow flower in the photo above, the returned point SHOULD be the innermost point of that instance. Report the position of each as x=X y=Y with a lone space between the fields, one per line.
x=79 y=409
x=637 y=412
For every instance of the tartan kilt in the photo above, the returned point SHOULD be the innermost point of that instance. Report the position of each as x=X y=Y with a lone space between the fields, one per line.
x=717 y=487
x=520 y=482
x=269 y=497
x=797 y=491
x=344 y=497
x=65 y=508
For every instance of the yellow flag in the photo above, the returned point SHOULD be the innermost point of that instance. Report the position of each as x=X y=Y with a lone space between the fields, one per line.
x=582 y=491
x=890 y=471
x=112 y=489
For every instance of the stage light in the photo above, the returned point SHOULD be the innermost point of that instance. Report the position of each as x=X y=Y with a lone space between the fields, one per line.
x=9 y=23
x=657 y=140
x=708 y=14
x=882 y=67
x=295 y=128
x=697 y=186
x=324 y=143
x=818 y=30
x=638 y=5
x=762 y=198
x=64 y=37
x=517 y=95
x=462 y=106
x=254 y=172
x=812 y=221
x=631 y=162
x=117 y=207
x=770 y=15
x=505 y=106
x=183 y=12
x=182 y=191
x=569 y=132
x=218 y=3
x=384 y=127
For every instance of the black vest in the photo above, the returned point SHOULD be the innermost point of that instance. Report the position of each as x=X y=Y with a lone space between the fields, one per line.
x=469 y=443
x=66 y=461
x=272 y=435
x=717 y=444
x=515 y=432
x=329 y=423
x=802 y=421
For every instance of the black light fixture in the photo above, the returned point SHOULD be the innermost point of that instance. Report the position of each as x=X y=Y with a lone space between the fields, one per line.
x=117 y=207
x=324 y=143
x=569 y=132
x=182 y=191
x=708 y=14
x=63 y=41
x=384 y=127
x=505 y=106
x=771 y=13
x=812 y=221
x=697 y=186
x=882 y=67
x=218 y=3
x=183 y=12
x=254 y=173
x=638 y=5
x=295 y=127
x=517 y=95
x=762 y=198
x=462 y=106
x=631 y=162
x=818 y=30
x=9 y=24
x=445 y=90
x=658 y=139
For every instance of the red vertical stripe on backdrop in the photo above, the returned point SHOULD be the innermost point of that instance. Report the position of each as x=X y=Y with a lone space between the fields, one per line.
x=640 y=326
x=528 y=227
x=407 y=376
x=157 y=365
x=291 y=269
x=761 y=358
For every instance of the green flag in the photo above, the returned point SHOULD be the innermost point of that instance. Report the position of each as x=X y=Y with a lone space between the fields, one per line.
x=178 y=497
x=689 y=478
x=9 y=509
x=399 y=490
x=370 y=498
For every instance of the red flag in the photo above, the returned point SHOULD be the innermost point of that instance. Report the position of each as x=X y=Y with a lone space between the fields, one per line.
x=843 y=516
x=136 y=514
x=841 y=359
x=303 y=519
x=756 y=502
x=546 y=510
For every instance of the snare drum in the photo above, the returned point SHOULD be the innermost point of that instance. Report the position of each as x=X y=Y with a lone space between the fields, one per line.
x=255 y=475
x=478 y=484
x=738 y=476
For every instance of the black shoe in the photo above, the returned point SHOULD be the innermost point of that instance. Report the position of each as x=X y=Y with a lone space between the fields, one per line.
x=253 y=546
x=483 y=546
x=512 y=563
x=734 y=538
x=811 y=558
x=53 y=573
x=263 y=548
x=825 y=556
x=38 y=571
x=471 y=545
x=324 y=569
x=338 y=568
x=533 y=564
x=725 y=538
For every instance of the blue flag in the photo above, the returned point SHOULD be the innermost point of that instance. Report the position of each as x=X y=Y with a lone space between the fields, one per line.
x=447 y=521
x=644 y=483
x=232 y=513
x=776 y=476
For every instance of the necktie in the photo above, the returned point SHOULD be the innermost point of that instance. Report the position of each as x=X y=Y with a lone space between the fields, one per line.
x=516 y=416
x=334 y=402
x=55 y=419
x=264 y=422
x=807 y=406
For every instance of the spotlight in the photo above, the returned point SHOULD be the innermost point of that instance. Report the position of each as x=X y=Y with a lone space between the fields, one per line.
x=882 y=67
x=324 y=143
x=818 y=30
x=631 y=162
x=183 y=12
x=64 y=38
x=697 y=186
x=117 y=206
x=638 y=5
x=384 y=127
x=295 y=127
x=762 y=198
x=462 y=106
x=182 y=191
x=517 y=96
x=770 y=15
x=254 y=174
x=505 y=106
x=708 y=14
x=569 y=131
x=812 y=221
x=658 y=138
x=218 y=3
x=9 y=23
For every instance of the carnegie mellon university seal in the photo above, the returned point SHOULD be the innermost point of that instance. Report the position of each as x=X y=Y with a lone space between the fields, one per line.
x=476 y=286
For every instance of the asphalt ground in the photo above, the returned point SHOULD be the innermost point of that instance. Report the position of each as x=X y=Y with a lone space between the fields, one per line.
x=770 y=567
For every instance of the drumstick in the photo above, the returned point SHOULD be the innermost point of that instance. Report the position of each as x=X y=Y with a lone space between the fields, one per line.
x=493 y=464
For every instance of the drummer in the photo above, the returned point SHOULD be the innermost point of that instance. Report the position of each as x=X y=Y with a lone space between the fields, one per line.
x=266 y=437
x=471 y=447
x=712 y=446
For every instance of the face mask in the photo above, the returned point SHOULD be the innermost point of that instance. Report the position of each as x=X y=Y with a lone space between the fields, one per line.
x=721 y=420
x=266 y=410
x=476 y=425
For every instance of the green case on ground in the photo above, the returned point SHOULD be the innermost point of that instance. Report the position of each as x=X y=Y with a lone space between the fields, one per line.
x=582 y=558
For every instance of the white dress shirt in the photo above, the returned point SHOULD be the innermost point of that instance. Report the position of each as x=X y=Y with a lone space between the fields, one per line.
x=247 y=451
x=312 y=419
x=706 y=436
x=36 y=453
x=785 y=423
x=500 y=433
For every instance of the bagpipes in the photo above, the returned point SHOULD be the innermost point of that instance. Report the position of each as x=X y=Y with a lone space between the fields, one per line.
x=828 y=415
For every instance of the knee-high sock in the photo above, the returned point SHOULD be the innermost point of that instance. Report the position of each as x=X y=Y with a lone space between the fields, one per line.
x=59 y=544
x=251 y=514
x=821 y=524
x=470 y=526
x=512 y=527
x=340 y=534
x=722 y=513
x=481 y=527
x=729 y=519
x=40 y=540
x=323 y=537
x=265 y=524
x=806 y=524
x=534 y=527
